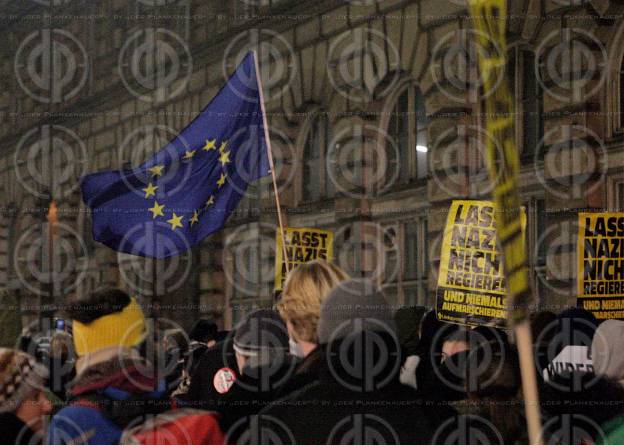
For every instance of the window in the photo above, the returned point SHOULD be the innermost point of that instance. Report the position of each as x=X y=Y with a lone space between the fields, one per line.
x=407 y=261
x=621 y=95
x=620 y=196
x=415 y=261
x=316 y=184
x=407 y=128
x=251 y=262
x=529 y=96
x=538 y=245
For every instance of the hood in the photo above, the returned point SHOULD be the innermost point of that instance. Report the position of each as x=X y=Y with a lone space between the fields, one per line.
x=607 y=349
x=127 y=371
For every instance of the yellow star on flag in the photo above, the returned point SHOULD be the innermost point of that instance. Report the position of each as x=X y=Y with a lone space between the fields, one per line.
x=150 y=190
x=189 y=154
x=221 y=180
x=157 y=210
x=222 y=147
x=175 y=221
x=210 y=145
x=224 y=158
x=156 y=170
x=210 y=201
x=194 y=218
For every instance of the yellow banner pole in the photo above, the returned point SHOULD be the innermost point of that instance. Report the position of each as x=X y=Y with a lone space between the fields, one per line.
x=489 y=18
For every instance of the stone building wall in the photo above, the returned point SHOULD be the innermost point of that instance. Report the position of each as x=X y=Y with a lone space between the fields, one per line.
x=356 y=91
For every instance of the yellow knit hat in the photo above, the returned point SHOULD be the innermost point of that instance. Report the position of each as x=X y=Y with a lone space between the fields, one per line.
x=123 y=329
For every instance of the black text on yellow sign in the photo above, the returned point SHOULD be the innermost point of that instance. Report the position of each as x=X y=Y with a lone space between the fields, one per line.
x=600 y=260
x=471 y=282
x=302 y=245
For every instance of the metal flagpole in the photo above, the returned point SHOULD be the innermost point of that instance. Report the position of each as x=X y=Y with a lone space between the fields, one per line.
x=271 y=165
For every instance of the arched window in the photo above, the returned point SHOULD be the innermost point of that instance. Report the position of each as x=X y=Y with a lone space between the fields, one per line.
x=316 y=184
x=407 y=128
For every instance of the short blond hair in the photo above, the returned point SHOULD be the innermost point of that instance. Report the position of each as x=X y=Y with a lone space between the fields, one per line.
x=304 y=290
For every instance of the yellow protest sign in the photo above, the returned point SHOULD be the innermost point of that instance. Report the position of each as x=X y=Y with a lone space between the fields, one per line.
x=302 y=245
x=600 y=274
x=472 y=288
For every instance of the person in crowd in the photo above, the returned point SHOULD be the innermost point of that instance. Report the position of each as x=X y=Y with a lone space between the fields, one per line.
x=429 y=350
x=359 y=386
x=204 y=336
x=205 y=332
x=587 y=412
x=263 y=362
x=495 y=393
x=305 y=289
x=212 y=376
x=570 y=347
x=176 y=346
x=458 y=341
x=408 y=320
x=62 y=361
x=448 y=379
x=542 y=332
x=23 y=402
x=607 y=350
x=114 y=386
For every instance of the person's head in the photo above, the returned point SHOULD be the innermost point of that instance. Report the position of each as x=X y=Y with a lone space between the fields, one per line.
x=21 y=388
x=306 y=287
x=354 y=305
x=261 y=339
x=106 y=322
x=607 y=350
x=457 y=341
x=540 y=323
x=204 y=331
x=355 y=322
x=407 y=320
x=61 y=346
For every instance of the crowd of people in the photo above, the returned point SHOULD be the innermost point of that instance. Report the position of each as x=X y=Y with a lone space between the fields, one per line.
x=330 y=363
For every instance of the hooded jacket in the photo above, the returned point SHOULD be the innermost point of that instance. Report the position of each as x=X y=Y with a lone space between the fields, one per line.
x=607 y=350
x=105 y=398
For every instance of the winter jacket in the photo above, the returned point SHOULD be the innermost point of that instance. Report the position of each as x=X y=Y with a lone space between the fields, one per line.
x=354 y=401
x=105 y=398
x=202 y=391
x=15 y=432
x=253 y=390
x=307 y=371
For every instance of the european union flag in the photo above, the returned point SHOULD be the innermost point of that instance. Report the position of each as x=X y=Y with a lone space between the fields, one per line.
x=188 y=189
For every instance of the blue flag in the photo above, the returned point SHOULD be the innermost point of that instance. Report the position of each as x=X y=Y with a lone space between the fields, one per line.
x=188 y=189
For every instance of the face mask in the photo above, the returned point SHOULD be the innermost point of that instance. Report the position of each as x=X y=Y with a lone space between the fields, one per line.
x=294 y=348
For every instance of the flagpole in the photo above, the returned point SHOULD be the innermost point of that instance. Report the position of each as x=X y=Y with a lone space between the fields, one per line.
x=270 y=156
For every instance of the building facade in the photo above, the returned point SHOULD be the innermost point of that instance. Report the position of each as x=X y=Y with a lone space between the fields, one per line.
x=376 y=119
